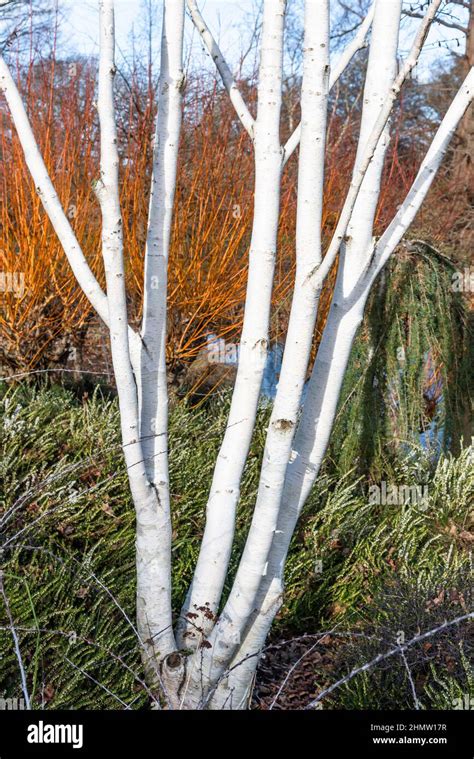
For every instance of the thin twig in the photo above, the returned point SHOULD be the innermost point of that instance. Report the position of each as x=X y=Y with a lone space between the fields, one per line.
x=382 y=657
x=292 y=669
x=410 y=679
x=96 y=682
x=16 y=643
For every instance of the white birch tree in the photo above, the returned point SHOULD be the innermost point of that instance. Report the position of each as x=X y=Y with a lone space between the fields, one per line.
x=207 y=657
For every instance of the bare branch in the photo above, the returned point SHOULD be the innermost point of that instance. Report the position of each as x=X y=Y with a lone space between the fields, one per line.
x=16 y=643
x=439 y=20
x=355 y=45
x=248 y=122
x=322 y=271
x=48 y=195
x=382 y=657
x=52 y=205
x=426 y=174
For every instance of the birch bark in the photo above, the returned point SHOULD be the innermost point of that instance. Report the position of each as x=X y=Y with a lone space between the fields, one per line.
x=218 y=536
x=259 y=580
x=254 y=563
x=345 y=316
x=153 y=386
x=214 y=556
x=153 y=580
x=328 y=372
x=346 y=312
x=358 y=43
x=313 y=435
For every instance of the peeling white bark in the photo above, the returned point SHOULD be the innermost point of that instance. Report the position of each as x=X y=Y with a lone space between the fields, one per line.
x=254 y=562
x=153 y=385
x=214 y=556
x=153 y=576
x=358 y=43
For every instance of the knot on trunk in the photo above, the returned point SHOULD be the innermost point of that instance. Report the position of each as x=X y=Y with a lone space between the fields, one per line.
x=281 y=425
x=173 y=660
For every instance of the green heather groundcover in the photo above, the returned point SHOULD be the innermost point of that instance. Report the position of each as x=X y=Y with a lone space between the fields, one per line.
x=355 y=565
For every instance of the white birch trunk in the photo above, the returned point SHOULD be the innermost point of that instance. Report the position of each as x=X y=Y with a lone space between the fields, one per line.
x=358 y=43
x=214 y=556
x=219 y=531
x=154 y=391
x=345 y=316
x=261 y=567
x=328 y=372
x=153 y=577
x=153 y=386
x=254 y=563
x=381 y=73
